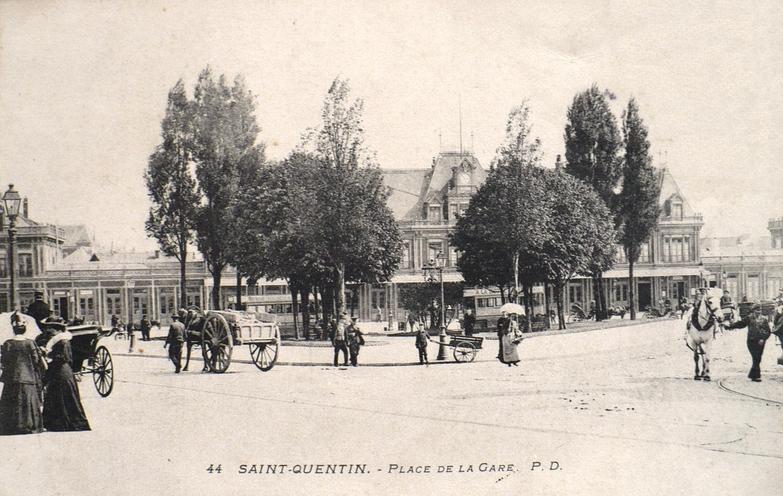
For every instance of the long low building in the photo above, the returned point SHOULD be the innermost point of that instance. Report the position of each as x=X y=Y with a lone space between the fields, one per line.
x=79 y=280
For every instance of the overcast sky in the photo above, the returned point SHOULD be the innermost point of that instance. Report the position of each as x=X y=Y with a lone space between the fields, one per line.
x=83 y=88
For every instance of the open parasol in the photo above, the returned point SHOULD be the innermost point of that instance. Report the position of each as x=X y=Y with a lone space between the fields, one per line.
x=513 y=308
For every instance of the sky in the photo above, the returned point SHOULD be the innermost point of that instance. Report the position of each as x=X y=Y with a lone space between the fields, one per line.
x=83 y=88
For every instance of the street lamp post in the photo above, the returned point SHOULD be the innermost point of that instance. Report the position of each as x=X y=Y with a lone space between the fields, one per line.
x=12 y=200
x=436 y=265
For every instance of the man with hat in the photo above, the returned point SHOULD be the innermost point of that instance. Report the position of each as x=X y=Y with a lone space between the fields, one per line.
x=355 y=340
x=339 y=337
x=174 y=340
x=38 y=309
x=758 y=332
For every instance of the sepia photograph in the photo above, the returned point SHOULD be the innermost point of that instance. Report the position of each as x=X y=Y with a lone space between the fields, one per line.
x=391 y=248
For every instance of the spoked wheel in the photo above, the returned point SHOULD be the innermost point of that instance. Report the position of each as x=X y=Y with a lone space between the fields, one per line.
x=103 y=371
x=265 y=355
x=216 y=344
x=464 y=352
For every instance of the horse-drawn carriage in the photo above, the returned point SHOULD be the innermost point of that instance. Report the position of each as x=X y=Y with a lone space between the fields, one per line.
x=217 y=332
x=89 y=357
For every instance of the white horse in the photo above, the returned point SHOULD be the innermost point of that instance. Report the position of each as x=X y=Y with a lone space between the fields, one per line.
x=703 y=322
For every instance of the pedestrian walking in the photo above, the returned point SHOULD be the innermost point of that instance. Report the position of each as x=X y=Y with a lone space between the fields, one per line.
x=511 y=338
x=131 y=336
x=20 y=402
x=502 y=329
x=422 y=339
x=339 y=339
x=355 y=340
x=174 y=341
x=758 y=332
x=62 y=409
x=145 y=325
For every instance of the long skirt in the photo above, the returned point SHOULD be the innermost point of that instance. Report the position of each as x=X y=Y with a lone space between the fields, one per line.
x=20 y=409
x=62 y=410
x=509 y=348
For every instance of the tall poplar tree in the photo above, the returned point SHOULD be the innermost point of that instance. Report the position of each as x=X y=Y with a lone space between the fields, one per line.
x=638 y=200
x=592 y=146
x=171 y=185
x=357 y=233
x=226 y=131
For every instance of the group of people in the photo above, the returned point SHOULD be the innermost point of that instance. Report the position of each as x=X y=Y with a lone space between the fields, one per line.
x=346 y=338
x=40 y=390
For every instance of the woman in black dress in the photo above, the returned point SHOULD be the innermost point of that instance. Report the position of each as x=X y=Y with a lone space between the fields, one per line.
x=62 y=410
x=20 y=403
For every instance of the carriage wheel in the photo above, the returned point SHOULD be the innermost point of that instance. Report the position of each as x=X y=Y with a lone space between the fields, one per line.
x=216 y=343
x=464 y=352
x=103 y=371
x=265 y=355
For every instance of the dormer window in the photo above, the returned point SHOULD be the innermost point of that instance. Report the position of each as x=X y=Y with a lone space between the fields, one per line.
x=434 y=213
x=677 y=210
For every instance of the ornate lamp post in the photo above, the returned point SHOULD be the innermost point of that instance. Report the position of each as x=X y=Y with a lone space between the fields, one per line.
x=436 y=265
x=12 y=201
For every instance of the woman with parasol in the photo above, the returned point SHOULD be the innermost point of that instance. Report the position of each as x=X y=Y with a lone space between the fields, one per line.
x=509 y=333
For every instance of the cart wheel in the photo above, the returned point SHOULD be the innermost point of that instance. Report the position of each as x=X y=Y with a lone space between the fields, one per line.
x=216 y=344
x=103 y=371
x=464 y=352
x=265 y=355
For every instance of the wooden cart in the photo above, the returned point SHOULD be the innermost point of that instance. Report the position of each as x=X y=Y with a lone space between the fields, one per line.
x=217 y=332
x=465 y=347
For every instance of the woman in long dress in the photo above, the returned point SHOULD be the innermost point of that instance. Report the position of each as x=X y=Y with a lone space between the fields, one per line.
x=62 y=409
x=510 y=339
x=20 y=402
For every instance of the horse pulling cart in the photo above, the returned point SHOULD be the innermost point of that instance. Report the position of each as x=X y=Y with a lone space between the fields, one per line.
x=217 y=332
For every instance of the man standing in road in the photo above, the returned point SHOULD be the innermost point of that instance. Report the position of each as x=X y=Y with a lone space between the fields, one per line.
x=339 y=337
x=469 y=322
x=174 y=341
x=38 y=309
x=758 y=332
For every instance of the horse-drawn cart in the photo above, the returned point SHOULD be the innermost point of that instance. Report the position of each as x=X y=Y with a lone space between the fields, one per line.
x=217 y=332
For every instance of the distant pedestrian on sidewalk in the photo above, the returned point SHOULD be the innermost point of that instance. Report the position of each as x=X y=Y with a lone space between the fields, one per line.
x=758 y=332
x=339 y=339
x=174 y=340
x=131 y=336
x=145 y=328
x=355 y=340
x=421 y=344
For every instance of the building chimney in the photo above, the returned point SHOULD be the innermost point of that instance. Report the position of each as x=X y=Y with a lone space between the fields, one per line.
x=24 y=209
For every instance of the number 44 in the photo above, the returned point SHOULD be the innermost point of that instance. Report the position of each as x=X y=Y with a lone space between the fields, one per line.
x=215 y=469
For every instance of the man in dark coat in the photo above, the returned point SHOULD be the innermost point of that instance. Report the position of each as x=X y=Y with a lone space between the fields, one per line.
x=758 y=332
x=174 y=341
x=339 y=339
x=469 y=322
x=39 y=309
x=145 y=326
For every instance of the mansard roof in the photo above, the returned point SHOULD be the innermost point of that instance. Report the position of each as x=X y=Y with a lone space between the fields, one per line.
x=671 y=192
x=412 y=188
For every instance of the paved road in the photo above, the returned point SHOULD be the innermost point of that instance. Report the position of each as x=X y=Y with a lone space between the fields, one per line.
x=603 y=412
